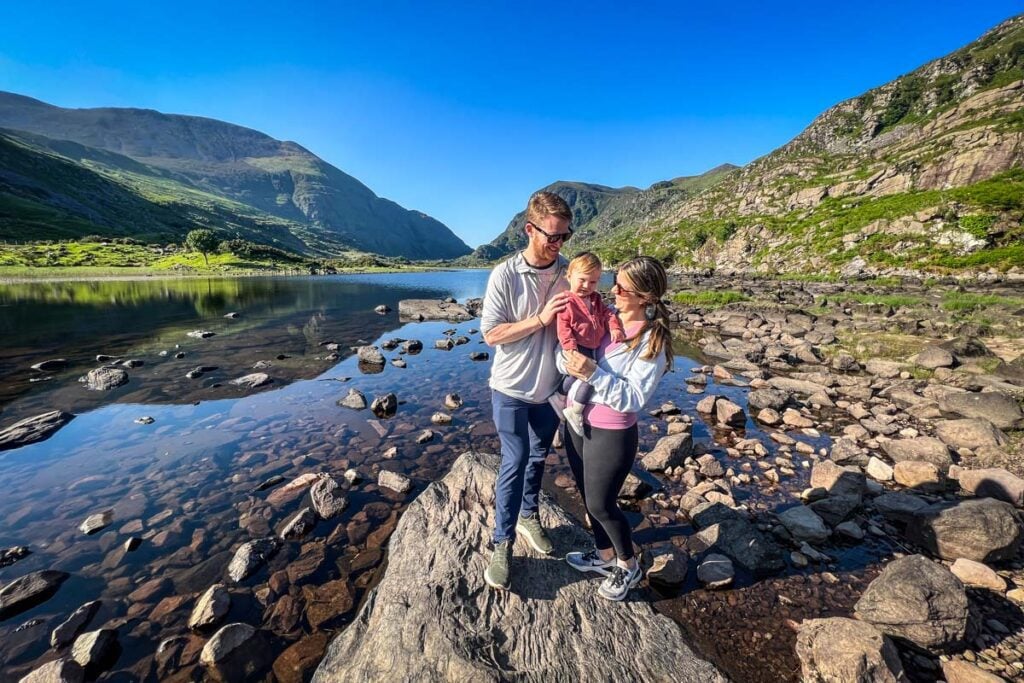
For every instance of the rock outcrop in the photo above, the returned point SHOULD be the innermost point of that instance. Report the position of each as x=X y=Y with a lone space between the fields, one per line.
x=432 y=618
x=32 y=429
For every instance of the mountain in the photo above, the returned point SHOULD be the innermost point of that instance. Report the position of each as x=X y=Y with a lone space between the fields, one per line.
x=203 y=172
x=923 y=174
x=596 y=209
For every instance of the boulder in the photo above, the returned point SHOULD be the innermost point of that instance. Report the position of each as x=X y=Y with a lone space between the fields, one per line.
x=236 y=652
x=670 y=451
x=328 y=499
x=993 y=483
x=93 y=649
x=551 y=625
x=394 y=481
x=669 y=568
x=28 y=591
x=369 y=355
x=916 y=474
x=759 y=399
x=428 y=309
x=899 y=506
x=64 y=670
x=924 y=448
x=970 y=433
x=384 y=406
x=836 y=508
x=32 y=429
x=298 y=525
x=804 y=525
x=982 y=529
x=959 y=671
x=70 y=627
x=738 y=539
x=838 y=650
x=1001 y=410
x=845 y=451
x=730 y=414
x=251 y=556
x=211 y=607
x=932 y=357
x=715 y=571
x=837 y=480
x=354 y=400
x=917 y=599
x=973 y=573
x=105 y=378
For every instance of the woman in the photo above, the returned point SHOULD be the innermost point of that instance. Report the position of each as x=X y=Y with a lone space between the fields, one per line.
x=624 y=378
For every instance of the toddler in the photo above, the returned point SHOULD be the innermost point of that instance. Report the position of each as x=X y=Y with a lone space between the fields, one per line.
x=582 y=325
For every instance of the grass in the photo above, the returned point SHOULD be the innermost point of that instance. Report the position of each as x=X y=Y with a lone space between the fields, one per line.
x=966 y=302
x=709 y=299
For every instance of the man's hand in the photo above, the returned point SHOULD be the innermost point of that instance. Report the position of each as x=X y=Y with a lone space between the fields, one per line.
x=578 y=365
x=553 y=307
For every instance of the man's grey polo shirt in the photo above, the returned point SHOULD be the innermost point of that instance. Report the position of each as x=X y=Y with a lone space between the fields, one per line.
x=523 y=369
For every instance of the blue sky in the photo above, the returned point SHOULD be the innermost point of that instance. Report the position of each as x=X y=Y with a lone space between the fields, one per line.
x=461 y=110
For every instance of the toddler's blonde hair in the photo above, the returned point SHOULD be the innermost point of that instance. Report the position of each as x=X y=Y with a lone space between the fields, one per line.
x=585 y=262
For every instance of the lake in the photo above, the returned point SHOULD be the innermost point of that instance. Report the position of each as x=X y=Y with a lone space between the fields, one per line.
x=186 y=483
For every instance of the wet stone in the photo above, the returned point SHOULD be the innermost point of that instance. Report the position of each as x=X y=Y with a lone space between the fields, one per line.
x=212 y=606
x=300 y=524
x=64 y=670
x=354 y=400
x=9 y=556
x=235 y=653
x=328 y=601
x=327 y=497
x=250 y=557
x=715 y=571
x=33 y=429
x=394 y=481
x=92 y=649
x=28 y=591
x=68 y=630
x=104 y=379
x=384 y=406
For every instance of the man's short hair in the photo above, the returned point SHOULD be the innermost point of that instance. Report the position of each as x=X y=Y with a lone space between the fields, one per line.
x=543 y=204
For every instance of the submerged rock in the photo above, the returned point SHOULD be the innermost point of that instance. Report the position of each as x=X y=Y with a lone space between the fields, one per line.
x=64 y=670
x=29 y=590
x=328 y=499
x=252 y=381
x=212 y=606
x=96 y=522
x=413 y=624
x=250 y=557
x=235 y=653
x=394 y=481
x=384 y=406
x=355 y=400
x=32 y=429
x=68 y=630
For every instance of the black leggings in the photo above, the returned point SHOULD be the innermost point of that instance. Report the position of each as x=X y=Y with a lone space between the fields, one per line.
x=600 y=461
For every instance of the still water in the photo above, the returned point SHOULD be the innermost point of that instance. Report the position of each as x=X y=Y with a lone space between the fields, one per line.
x=186 y=483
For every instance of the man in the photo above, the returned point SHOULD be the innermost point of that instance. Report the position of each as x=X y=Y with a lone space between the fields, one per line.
x=524 y=296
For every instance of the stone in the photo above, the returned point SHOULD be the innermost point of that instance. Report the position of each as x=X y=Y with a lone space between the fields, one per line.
x=878 y=469
x=973 y=573
x=201 y=334
x=452 y=401
x=669 y=568
x=669 y=451
x=425 y=436
x=924 y=448
x=932 y=357
x=52 y=365
x=1001 y=410
x=839 y=650
x=707 y=404
x=96 y=522
x=235 y=653
x=836 y=508
x=730 y=414
x=793 y=418
x=64 y=670
x=845 y=451
x=917 y=599
x=804 y=525
x=70 y=627
x=9 y=556
x=446 y=344
x=970 y=433
x=104 y=379
x=915 y=474
x=370 y=355
x=354 y=399
x=769 y=417
x=957 y=671
x=479 y=356
x=251 y=381
x=250 y=557
x=327 y=497
x=413 y=623
x=297 y=662
x=773 y=399
x=91 y=649
x=886 y=369
x=300 y=524
x=384 y=406
x=715 y=571
x=850 y=530
x=982 y=529
x=29 y=590
x=440 y=418
x=325 y=602
x=394 y=481
x=429 y=309
x=32 y=429
x=211 y=607
x=837 y=480
x=899 y=506
x=739 y=540
x=993 y=483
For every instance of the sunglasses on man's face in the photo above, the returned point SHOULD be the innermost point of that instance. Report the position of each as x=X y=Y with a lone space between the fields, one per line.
x=562 y=237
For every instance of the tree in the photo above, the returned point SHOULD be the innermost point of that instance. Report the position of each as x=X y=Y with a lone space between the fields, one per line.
x=203 y=241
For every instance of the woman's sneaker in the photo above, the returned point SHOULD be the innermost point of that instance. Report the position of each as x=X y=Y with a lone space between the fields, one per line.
x=589 y=561
x=619 y=581
x=574 y=418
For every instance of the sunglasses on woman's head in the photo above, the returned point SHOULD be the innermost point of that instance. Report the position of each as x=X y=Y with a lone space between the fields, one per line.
x=562 y=237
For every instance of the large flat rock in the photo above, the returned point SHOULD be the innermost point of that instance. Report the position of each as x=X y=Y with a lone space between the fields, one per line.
x=32 y=429
x=432 y=618
x=431 y=309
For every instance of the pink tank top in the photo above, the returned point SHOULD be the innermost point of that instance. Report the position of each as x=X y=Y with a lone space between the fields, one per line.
x=601 y=416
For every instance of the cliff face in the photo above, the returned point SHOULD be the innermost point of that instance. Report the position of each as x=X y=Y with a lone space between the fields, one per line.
x=177 y=158
x=921 y=174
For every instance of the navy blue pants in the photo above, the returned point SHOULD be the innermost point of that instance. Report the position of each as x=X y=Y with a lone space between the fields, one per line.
x=526 y=430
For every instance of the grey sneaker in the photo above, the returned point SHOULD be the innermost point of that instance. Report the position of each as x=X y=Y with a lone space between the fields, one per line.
x=496 y=575
x=619 y=581
x=590 y=561
x=533 y=532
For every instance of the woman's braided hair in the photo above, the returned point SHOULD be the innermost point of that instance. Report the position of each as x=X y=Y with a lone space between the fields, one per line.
x=648 y=279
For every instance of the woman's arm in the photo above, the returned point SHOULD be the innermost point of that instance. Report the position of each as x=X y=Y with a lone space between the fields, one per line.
x=629 y=390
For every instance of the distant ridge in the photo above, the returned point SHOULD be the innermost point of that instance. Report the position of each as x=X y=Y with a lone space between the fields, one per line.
x=230 y=178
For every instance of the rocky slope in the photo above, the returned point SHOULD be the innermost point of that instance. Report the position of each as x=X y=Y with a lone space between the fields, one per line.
x=196 y=165
x=921 y=174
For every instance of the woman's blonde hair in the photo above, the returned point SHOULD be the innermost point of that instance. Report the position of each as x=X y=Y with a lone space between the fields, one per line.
x=585 y=262
x=650 y=281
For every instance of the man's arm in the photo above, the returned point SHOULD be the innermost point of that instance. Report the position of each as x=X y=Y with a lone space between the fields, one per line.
x=506 y=333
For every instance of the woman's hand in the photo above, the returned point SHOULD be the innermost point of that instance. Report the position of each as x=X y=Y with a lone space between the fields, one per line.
x=578 y=365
